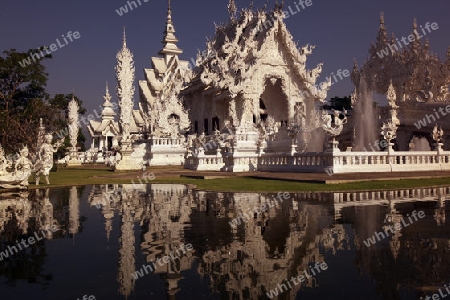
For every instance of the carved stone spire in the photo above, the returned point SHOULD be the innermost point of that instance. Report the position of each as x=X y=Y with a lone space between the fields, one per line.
x=125 y=87
x=415 y=44
x=107 y=112
x=391 y=95
x=381 y=19
x=382 y=34
x=124 y=39
x=169 y=41
x=107 y=96
x=73 y=122
x=232 y=9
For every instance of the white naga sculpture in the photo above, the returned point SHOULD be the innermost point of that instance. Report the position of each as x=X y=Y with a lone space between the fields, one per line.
x=44 y=161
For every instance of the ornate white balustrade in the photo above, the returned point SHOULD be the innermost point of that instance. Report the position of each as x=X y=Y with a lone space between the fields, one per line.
x=310 y=162
x=166 y=142
x=204 y=163
x=337 y=162
x=357 y=162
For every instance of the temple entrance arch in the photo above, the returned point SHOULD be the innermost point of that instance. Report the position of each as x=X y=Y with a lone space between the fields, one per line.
x=174 y=123
x=273 y=101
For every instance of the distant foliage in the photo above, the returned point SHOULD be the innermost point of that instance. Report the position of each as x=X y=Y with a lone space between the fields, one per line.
x=24 y=100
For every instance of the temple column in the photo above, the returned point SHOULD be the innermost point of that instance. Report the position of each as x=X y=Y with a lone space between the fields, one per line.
x=255 y=103
x=232 y=112
x=247 y=112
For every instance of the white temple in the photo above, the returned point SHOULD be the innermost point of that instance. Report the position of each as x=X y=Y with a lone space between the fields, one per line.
x=104 y=133
x=251 y=104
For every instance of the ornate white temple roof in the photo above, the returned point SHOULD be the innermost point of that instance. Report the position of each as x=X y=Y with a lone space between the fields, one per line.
x=417 y=74
x=108 y=124
x=238 y=49
x=161 y=110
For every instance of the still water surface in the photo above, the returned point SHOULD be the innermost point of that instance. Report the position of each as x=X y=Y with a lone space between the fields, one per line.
x=108 y=233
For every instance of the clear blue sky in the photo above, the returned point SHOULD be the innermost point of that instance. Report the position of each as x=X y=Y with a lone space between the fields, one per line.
x=341 y=30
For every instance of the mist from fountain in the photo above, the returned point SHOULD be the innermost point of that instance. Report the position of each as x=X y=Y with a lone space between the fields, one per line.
x=366 y=127
x=420 y=144
x=315 y=134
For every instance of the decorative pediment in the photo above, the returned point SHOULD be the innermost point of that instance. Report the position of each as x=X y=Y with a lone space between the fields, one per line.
x=239 y=48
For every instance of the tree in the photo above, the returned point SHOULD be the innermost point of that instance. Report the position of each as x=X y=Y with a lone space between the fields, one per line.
x=22 y=97
x=24 y=101
x=339 y=103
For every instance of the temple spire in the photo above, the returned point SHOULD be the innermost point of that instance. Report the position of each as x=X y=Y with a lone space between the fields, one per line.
x=170 y=41
x=107 y=96
x=124 y=39
x=107 y=112
x=382 y=34
x=232 y=9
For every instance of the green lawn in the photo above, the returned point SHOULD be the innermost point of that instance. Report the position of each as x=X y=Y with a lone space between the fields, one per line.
x=69 y=177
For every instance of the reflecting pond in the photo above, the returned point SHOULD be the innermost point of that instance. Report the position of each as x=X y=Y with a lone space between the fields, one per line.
x=163 y=241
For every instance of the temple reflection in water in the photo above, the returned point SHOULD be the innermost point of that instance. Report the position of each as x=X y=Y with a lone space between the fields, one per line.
x=142 y=223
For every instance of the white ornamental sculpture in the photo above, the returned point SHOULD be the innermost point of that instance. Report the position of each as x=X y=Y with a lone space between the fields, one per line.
x=15 y=176
x=392 y=98
x=333 y=129
x=125 y=93
x=438 y=134
x=389 y=132
x=438 y=137
x=73 y=131
x=125 y=87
